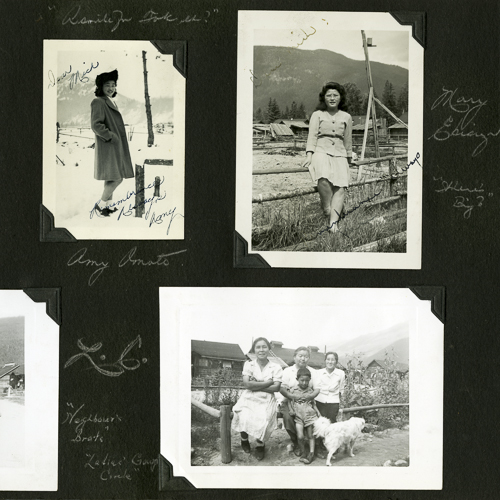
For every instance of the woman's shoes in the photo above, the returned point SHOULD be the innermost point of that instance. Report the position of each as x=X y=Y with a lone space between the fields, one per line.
x=103 y=212
x=259 y=452
x=307 y=460
x=245 y=445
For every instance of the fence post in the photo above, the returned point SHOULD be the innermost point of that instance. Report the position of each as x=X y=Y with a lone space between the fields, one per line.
x=225 y=434
x=394 y=175
x=139 y=190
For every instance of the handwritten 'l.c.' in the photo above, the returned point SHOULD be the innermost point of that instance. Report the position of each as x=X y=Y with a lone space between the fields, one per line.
x=119 y=367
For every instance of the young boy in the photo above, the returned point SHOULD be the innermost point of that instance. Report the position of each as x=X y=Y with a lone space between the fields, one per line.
x=305 y=413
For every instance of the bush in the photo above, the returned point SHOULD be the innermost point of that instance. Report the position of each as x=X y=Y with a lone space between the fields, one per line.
x=219 y=393
x=367 y=387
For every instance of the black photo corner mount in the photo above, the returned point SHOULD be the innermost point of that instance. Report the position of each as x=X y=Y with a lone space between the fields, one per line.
x=241 y=256
x=417 y=21
x=52 y=297
x=437 y=296
x=167 y=481
x=178 y=50
x=47 y=230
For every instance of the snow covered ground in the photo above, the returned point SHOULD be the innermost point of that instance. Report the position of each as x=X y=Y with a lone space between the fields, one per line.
x=70 y=190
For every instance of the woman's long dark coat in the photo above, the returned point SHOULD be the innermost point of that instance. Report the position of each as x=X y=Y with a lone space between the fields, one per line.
x=112 y=154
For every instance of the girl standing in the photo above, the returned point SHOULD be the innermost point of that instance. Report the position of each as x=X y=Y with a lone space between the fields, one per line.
x=112 y=155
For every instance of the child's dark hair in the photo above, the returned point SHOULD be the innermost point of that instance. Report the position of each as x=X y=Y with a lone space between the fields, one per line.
x=301 y=372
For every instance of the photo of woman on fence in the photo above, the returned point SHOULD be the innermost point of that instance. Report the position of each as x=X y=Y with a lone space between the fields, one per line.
x=112 y=155
x=329 y=150
x=255 y=413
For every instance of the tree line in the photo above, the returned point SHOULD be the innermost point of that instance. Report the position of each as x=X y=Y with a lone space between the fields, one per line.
x=356 y=100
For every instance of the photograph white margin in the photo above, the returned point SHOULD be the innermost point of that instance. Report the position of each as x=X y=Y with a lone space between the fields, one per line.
x=49 y=196
x=248 y=21
x=426 y=391
x=41 y=360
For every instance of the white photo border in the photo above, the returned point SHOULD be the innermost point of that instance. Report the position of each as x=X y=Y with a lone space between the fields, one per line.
x=138 y=229
x=426 y=390
x=248 y=21
x=41 y=353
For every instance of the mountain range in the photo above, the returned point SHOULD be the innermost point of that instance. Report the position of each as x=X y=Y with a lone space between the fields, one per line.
x=288 y=74
x=393 y=340
x=12 y=340
x=73 y=106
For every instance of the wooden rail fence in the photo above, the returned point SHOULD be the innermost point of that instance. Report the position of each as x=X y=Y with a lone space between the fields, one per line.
x=225 y=415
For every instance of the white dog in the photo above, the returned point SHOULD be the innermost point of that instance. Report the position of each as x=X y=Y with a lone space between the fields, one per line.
x=338 y=434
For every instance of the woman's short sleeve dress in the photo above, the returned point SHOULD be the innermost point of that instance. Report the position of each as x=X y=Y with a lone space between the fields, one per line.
x=256 y=412
x=330 y=141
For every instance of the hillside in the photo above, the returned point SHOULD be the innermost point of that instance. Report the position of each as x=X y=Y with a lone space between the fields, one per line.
x=288 y=75
x=373 y=345
x=73 y=106
x=400 y=350
x=12 y=340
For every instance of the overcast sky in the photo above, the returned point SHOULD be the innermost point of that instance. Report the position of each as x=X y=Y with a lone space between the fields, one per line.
x=391 y=46
x=293 y=325
x=128 y=62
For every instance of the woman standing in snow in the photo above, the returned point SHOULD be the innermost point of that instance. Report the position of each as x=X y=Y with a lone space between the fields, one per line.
x=112 y=155
x=329 y=150
x=255 y=413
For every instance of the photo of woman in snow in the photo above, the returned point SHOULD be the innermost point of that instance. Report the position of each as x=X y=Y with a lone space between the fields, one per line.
x=112 y=156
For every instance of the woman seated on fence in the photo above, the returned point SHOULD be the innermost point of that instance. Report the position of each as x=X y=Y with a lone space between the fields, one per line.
x=330 y=381
x=255 y=413
x=329 y=150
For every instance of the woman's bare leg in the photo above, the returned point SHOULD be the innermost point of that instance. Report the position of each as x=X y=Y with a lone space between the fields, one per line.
x=109 y=187
x=325 y=190
x=336 y=205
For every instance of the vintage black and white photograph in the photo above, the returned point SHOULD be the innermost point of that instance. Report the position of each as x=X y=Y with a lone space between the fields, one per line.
x=12 y=387
x=29 y=367
x=113 y=139
x=329 y=148
x=304 y=379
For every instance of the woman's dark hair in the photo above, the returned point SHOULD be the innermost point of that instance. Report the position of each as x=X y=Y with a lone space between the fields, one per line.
x=252 y=350
x=100 y=93
x=332 y=86
x=302 y=348
x=334 y=353
x=303 y=371
x=110 y=76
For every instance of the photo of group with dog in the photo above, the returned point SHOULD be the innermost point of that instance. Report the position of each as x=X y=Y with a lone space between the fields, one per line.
x=286 y=378
x=309 y=407
x=291 y=379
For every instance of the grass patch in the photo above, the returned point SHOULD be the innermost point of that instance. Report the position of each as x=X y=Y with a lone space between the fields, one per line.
x=289 y=222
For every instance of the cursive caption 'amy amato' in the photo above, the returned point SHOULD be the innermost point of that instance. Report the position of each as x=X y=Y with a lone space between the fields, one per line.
x=80 y=258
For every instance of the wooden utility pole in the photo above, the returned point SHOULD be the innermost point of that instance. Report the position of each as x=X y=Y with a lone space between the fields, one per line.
x=370 y=86
x=148 y=105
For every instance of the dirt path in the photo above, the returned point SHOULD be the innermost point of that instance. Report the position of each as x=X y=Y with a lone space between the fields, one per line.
x=11 y=433
x=370 y=450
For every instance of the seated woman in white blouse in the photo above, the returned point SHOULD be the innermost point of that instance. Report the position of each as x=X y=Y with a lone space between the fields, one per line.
x=330 y=381
x=255 y=412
